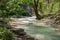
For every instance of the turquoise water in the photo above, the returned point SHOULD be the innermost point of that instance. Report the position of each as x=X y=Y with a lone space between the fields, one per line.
x=49 y=33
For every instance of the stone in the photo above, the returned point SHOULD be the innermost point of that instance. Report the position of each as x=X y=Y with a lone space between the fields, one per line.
x=17 y=31
x=22 y=33
x=30 y=38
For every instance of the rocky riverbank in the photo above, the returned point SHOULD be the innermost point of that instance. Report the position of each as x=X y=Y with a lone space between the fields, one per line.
x=20 y=34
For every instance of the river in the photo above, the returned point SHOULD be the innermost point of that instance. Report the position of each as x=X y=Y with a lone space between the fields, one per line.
x=36 y=29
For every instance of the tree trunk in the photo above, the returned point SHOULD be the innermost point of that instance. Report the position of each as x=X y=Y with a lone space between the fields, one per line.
x=36 y=9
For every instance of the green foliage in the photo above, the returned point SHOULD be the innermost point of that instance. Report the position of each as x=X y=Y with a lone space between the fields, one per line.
x=25 y=1
x=5 y=34
x=48 y=8
x=4 y=20
x=45 y=7
x=11 y=8
x=14 y=9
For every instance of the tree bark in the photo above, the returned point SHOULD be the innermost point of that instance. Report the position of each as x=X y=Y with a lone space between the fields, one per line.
x=35 y=7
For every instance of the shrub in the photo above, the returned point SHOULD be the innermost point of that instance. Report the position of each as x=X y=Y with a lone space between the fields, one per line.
x=6 y=34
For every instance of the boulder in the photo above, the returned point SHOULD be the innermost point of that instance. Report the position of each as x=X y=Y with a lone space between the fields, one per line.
x=18 y=31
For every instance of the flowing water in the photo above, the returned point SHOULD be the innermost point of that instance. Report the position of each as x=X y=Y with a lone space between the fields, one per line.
x=43 y=32
x=40 y=31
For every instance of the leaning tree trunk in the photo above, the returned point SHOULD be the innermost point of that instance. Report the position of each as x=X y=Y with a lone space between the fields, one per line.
x=36 y=9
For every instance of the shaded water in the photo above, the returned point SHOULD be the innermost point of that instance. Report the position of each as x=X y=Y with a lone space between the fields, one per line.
x=40 y=31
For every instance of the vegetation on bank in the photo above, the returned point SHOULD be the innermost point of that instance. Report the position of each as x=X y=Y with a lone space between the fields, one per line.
x=5 y=34
x=18 y=8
